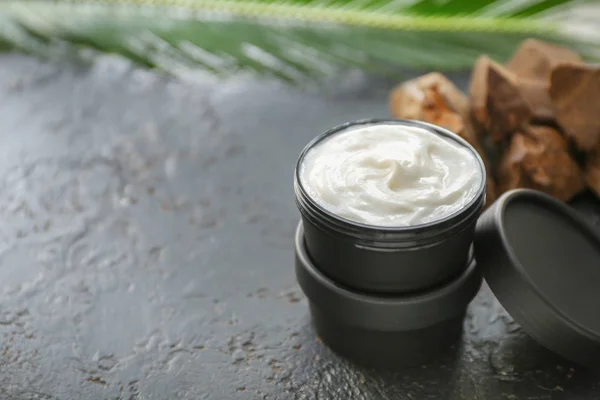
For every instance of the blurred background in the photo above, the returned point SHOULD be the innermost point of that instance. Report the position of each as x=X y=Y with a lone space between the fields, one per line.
x=148 y=147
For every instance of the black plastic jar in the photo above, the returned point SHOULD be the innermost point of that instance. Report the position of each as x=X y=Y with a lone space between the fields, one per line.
x=388 y=259
x=385 y=331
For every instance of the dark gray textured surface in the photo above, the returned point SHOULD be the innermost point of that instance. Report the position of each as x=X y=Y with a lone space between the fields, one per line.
x=146 y=249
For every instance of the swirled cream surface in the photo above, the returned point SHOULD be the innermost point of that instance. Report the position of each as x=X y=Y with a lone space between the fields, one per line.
x=390 y=175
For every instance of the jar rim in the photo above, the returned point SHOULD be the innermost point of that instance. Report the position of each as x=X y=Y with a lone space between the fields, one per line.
x=306 y=202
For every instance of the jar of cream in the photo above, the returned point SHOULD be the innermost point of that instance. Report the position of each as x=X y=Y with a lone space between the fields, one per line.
x=389 y=206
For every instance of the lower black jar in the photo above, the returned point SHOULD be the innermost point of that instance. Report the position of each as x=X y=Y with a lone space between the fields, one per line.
x=381 y=259
x=383 y=330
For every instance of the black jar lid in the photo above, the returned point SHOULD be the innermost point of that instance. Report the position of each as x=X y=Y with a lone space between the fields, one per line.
x=542 y=261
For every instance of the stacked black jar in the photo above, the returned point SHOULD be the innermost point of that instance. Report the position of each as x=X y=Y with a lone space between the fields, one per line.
x=387 y=296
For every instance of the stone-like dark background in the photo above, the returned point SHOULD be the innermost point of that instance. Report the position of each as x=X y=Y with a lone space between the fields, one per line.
x=146 y=248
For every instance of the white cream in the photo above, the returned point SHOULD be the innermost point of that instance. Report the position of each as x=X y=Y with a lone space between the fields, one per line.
x=391 y=175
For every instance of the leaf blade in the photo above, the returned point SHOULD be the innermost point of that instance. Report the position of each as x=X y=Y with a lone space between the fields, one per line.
x=174 y=38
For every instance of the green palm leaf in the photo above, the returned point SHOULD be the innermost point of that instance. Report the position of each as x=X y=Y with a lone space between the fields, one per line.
x=292 y=39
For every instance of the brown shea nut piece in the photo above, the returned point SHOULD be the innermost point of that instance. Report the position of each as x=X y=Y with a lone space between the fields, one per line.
x=407 y=98
x=496 y=100
x=535 y=59
x=575 y=95
x=435 y=99
x=535 y=93
x=592 y=171
x=539 y=159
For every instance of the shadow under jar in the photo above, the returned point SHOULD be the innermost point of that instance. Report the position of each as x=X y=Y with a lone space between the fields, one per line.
x=386 y=259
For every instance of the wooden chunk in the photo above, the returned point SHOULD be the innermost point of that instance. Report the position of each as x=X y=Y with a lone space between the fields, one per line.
x=539 y=158
x=409 y=99
x=536 y=94
x=592 y=171
x=435 y=99
x=453 y=97
x=535 y=59
x=498 y=106
x=478 y=90
x=575 y=95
